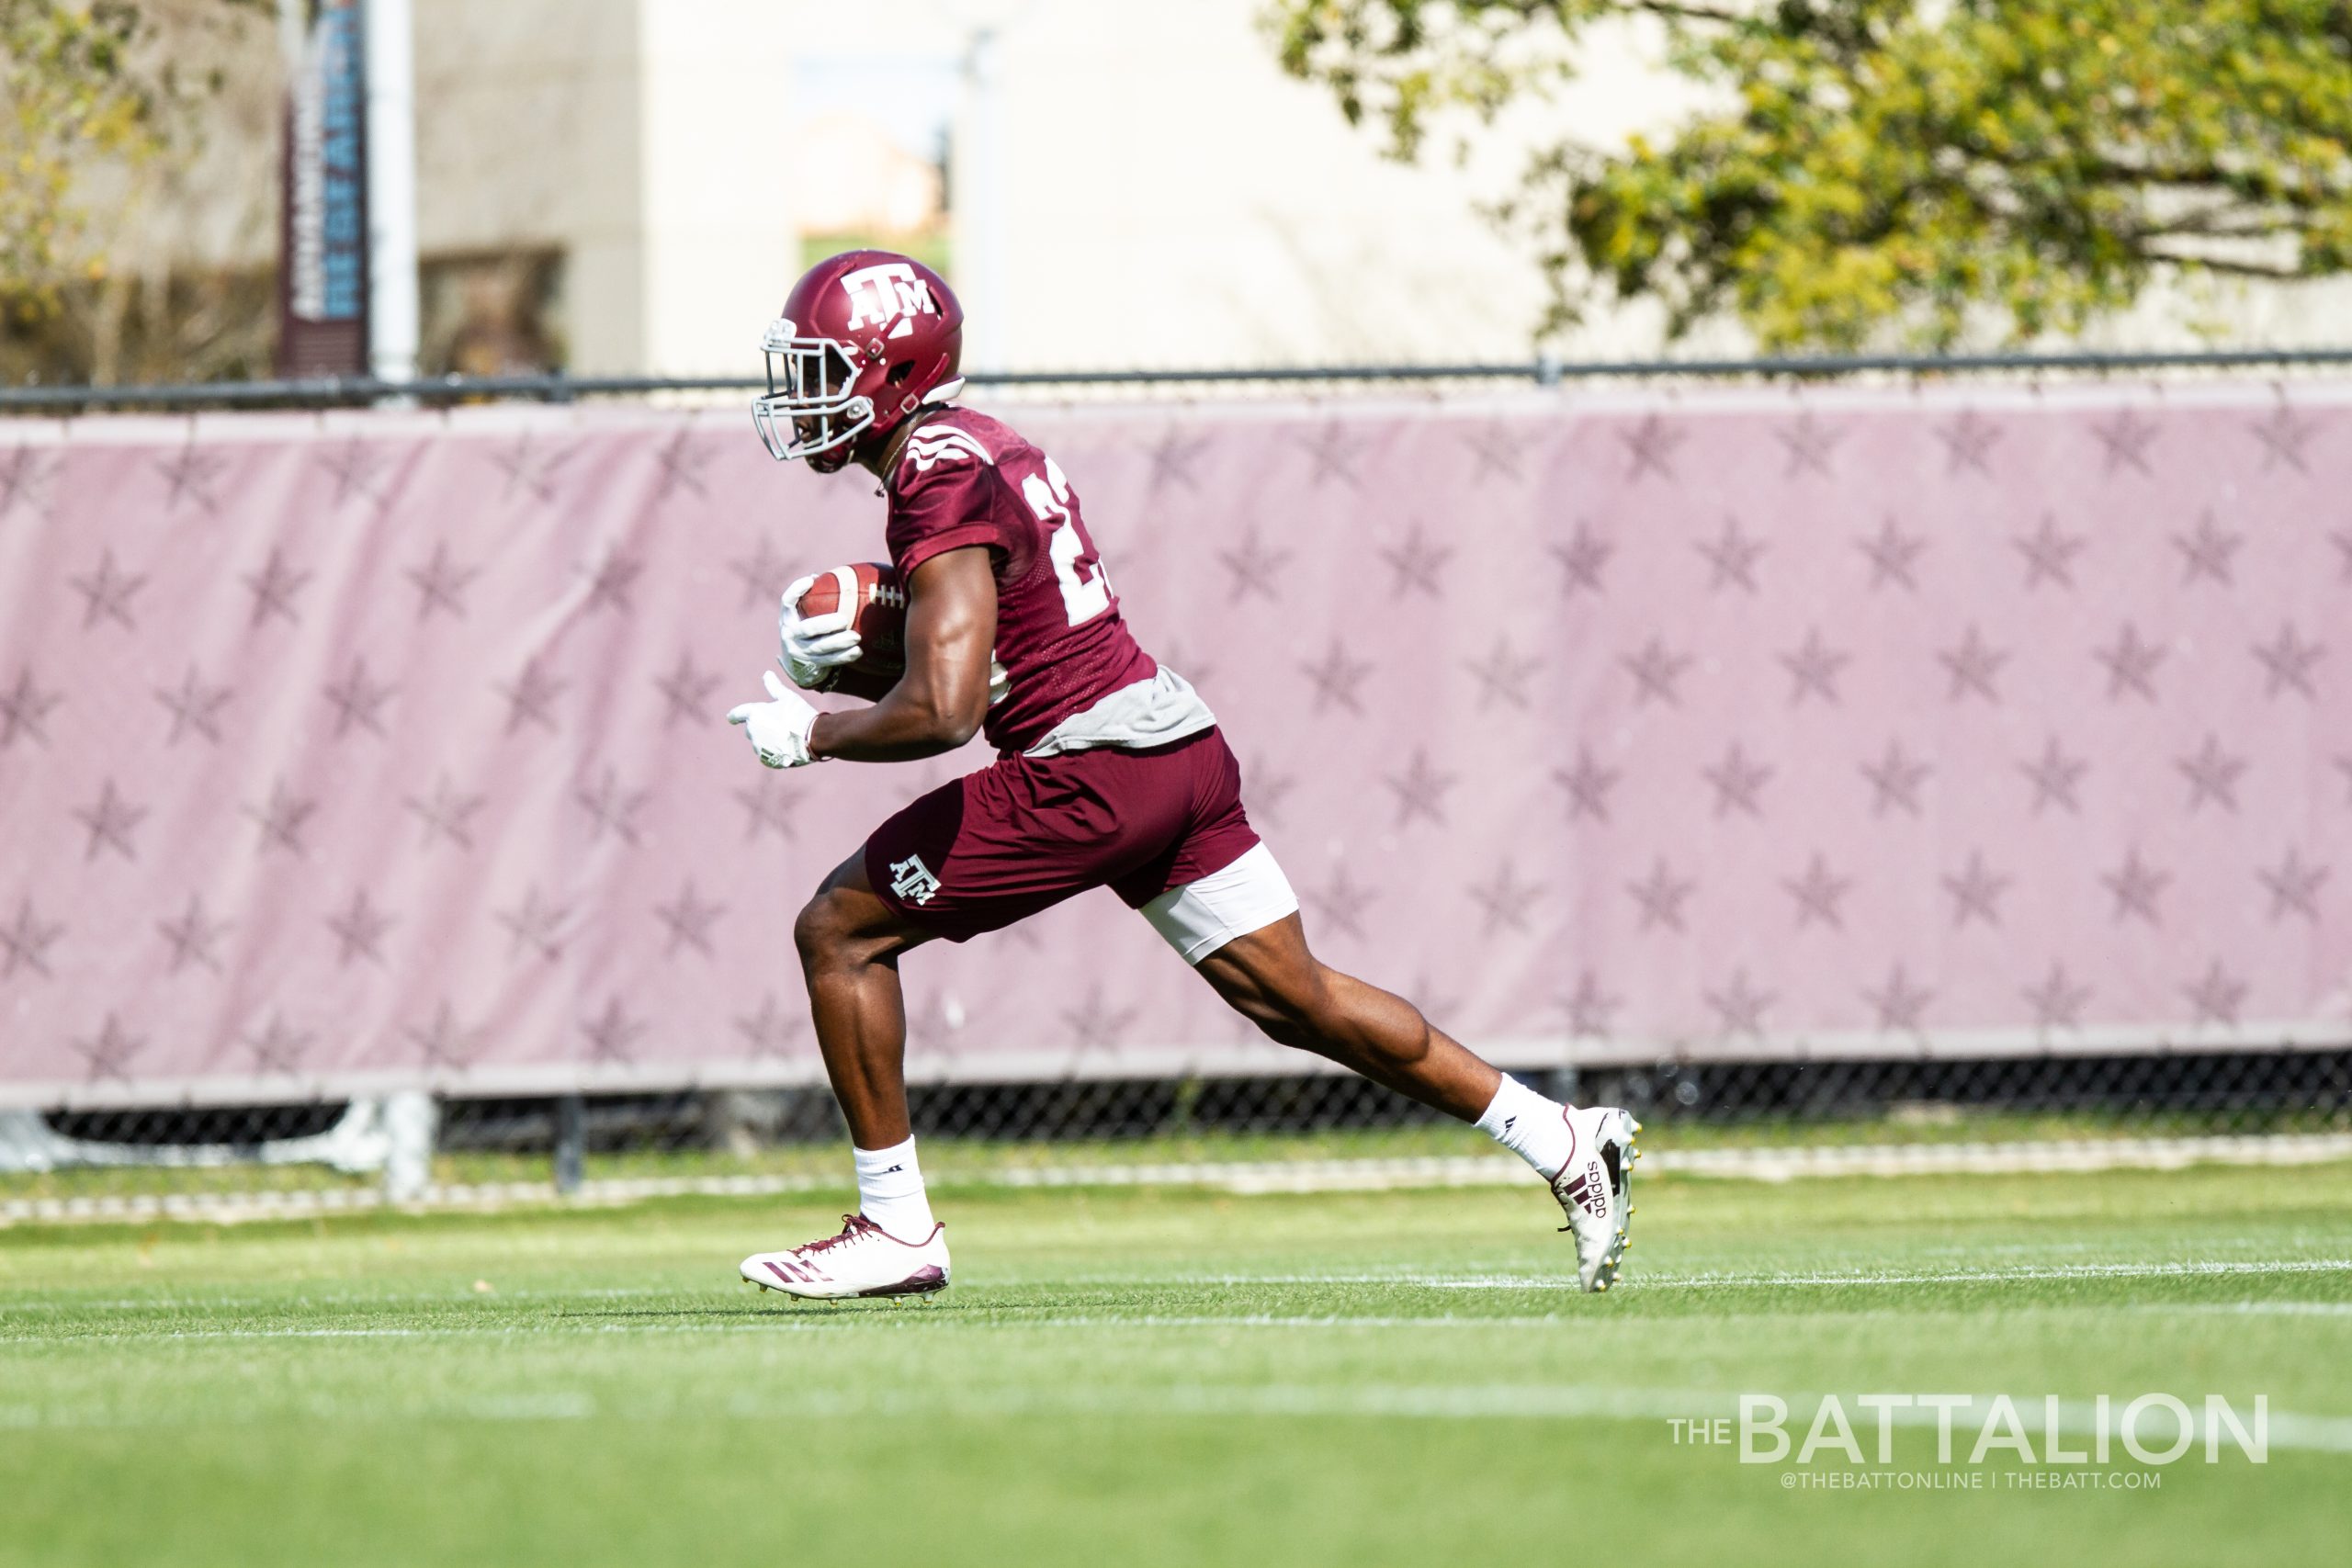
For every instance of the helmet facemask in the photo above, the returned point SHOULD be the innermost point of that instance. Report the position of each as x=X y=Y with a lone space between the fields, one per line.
x=812 y=406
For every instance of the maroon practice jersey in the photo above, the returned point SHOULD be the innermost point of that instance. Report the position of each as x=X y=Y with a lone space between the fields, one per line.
x=966 y=480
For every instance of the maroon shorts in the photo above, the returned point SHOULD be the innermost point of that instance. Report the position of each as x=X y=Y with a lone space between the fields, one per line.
x=1025 y=834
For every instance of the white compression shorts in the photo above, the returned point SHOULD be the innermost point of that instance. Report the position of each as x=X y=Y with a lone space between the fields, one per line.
x=1204 y=915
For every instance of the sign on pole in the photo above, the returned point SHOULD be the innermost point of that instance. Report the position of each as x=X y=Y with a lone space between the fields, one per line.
x=322 y=243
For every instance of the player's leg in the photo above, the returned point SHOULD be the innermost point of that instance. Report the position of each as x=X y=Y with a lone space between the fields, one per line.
x=1270 y=978
x=850 y=941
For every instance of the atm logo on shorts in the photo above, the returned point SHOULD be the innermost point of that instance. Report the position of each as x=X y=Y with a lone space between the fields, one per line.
x=911 y=880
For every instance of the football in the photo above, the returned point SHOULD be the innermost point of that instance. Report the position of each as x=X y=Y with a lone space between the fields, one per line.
x=878 y=603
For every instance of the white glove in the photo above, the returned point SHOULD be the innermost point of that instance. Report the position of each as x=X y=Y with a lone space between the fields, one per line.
x=815 y=646
x=779 y=729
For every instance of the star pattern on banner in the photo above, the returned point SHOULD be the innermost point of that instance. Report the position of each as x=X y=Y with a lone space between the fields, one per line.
x=2050 y=553
x=447 y=814
x=1895 y=780
x=360 y=929
x=1810 y=444
x=1977 y=891
x=25 y=476
x=612 y=583
x=25 y=941
x=111 y=820
x=689 y=919
x=1335 y=677
x=1335 y=451
x=278 y=1047
x=2288 y=661
x=1095 y=1023
x=529 y=467
x=2216 y=996
x=536 y=926
x=2138 y=889
x=1342 y=901
x=2283 y=434
x=1731 y=558
x=1739 y=1006
x=771 y=1031
x=1899 y=1006
x=2293 y=887
x=1973 y=668
x=1497 y=448
x=358 y=700
x=2055 y=776
x=1419 y=790
x=1661 y=895
x=2057 y=1001
x=2207 y=553
x=1650 y=445
x=189 y=475
x=686 y=691
x=441 y=583
x=611 y=808
x=1416 y=563
x=2131 y=664
x=765 y=810
x=1587 y=785
x=1254 y=568
x=1584 y=558
x=682 y=460
x=1174 y=458
x=1738 y=780
x=353 y=466
x=1818 y=893
x=764 y=574
x=23 y=708
x=444 y=1042
x=613 y=1034
x=193 y=938
x=530 y=699
x=1812 y=668
x=2213 y=774
x=2123 y=439
x=1892 y=554
x=1968 y=441
x=1505 y=900
x=1267 y=787
x=1655 y=669
x=275 y=587
x=107 y=593
x=1590 y=1009
x=110 y=1051
x=282 y=818
x=1502 y=675
x=194 y=707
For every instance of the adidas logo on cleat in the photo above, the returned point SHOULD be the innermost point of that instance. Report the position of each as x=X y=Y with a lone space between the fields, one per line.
x=1587 y=1191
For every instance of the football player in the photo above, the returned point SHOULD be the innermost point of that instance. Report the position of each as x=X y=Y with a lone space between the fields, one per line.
x=1110 y=771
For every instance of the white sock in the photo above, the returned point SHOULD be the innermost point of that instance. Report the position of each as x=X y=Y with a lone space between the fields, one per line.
x=1534 y=1128
x=889 y=1190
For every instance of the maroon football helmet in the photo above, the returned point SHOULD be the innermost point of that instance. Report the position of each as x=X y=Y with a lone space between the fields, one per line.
x=866 y=338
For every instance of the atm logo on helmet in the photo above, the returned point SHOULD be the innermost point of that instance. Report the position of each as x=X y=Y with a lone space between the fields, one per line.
x=890 y=294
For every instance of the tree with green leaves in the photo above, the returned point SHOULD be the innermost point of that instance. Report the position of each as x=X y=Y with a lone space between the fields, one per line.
x=1931 y=171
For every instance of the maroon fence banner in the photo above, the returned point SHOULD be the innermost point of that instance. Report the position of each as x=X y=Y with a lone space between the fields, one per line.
x=342 y=752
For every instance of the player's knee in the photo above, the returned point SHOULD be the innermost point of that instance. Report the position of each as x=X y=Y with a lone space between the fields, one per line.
x=822 y=929
x=1301 y=1011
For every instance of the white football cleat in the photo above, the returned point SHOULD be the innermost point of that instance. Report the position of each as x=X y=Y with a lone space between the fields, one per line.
x=863 y=1260
x=1595 y=1186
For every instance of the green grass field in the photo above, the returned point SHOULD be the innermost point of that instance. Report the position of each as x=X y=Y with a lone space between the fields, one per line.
x=1162 y=1377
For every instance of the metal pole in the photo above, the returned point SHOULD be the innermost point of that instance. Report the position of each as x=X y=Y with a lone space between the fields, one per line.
x=392 y=311
x=571 y=1142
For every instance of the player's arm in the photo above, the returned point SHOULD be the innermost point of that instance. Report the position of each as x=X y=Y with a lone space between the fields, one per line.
x=939 y=702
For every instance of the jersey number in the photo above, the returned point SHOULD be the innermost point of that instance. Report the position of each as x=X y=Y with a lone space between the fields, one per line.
x=1086 y=587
